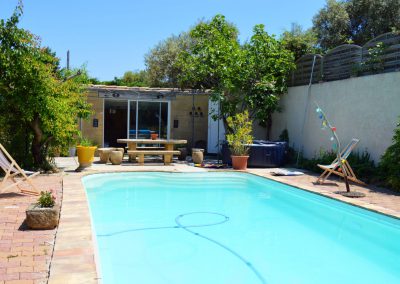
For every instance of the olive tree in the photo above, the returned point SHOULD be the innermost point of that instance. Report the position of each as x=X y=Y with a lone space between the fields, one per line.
x=39 y=102
x=162 y=61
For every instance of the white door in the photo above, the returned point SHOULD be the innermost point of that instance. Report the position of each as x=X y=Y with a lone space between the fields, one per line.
x=214 y=127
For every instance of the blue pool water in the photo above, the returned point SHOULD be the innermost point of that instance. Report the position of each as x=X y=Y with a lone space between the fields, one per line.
x=234 y=228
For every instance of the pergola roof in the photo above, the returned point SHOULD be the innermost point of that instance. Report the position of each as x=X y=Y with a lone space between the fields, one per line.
x=122 y=92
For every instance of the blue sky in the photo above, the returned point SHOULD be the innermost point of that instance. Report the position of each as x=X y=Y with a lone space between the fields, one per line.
x=111 y=37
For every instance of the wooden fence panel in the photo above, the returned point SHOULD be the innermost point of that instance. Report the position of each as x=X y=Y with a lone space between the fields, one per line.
x=346 y=60
x=301 y=76
x=389 y=60
x=339 y=62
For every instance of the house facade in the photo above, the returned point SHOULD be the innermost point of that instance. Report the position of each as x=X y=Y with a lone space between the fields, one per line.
x=135 y=112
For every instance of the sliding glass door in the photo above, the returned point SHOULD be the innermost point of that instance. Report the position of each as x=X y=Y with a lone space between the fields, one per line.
x=147 y=117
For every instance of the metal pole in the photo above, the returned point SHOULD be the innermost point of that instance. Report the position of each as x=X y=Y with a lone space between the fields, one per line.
x=219 y=120
x=306 y=111
x=68 y=60
x=193 y=110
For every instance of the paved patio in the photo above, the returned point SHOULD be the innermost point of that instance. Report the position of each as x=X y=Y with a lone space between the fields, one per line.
x=26 y=256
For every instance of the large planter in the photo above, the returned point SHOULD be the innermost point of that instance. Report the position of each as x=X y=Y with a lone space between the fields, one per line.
x=42 y=218
x=85 y=155
x=197 y=155
x=116 y=157
x=239 y=162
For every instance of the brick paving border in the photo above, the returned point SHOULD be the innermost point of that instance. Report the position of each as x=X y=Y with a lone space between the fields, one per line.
x=25 y=254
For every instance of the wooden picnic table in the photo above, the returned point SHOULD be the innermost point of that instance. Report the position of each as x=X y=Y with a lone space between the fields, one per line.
x=169 y=143
x=168 y=151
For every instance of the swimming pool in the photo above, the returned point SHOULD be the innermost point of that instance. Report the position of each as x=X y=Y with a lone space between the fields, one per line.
x=234 y=228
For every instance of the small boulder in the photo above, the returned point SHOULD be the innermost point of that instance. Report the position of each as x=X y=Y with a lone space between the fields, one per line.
x=42 y=218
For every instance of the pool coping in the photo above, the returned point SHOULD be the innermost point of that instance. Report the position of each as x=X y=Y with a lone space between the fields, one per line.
x=76 y=257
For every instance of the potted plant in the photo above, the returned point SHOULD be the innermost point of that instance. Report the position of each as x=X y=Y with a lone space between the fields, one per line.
x=239 y=138
x=45 y=213
x=85 y=151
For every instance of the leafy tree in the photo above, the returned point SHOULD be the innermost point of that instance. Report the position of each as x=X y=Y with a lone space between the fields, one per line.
x=390 y=162
x=263 y=75
x=370 y=18
x=300 y=42
x=213 y=58
x=332 y=24
x=213 y=61
x=161 y=61
x=40 y=101
x=249 y=77
x=135 y=79
x=356 y=21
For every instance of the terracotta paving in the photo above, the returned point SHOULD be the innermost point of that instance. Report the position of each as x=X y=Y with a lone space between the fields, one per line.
x=25 y=254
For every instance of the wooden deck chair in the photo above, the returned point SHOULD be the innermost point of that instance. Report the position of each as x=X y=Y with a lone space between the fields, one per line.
x=12 y=170
x=334 y=167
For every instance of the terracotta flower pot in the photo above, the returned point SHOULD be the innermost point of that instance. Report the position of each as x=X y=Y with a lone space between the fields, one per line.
x=239 y=162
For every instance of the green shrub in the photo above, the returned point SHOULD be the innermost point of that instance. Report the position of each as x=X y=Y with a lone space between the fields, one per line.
x=46 y=199
x=239 y=135
x=389 y=167
x=85 y=142
x=361 y=163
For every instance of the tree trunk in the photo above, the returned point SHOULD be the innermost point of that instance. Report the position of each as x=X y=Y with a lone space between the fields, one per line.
x=37 y=142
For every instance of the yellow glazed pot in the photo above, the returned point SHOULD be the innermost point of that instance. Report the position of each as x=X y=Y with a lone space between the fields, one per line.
x=85 y=155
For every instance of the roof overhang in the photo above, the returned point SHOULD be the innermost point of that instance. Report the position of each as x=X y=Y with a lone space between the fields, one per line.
x=142 y=93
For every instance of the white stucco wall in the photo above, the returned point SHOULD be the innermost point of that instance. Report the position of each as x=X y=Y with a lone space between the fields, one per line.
x=366 y=107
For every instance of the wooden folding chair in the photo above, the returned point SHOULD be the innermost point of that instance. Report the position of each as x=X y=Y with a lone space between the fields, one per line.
x=13 y=170
x=333 y=167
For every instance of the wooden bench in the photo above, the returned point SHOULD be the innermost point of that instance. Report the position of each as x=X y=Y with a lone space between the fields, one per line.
x=132 y=158
x=167 y=154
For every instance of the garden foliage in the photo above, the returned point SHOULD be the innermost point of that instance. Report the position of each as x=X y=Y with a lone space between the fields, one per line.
x=42 y=100
x=46 y=199
x=389 y=167
x=239 y=136
x=249 y=77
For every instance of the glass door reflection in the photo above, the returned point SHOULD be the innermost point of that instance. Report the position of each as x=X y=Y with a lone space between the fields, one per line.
x=146 y=118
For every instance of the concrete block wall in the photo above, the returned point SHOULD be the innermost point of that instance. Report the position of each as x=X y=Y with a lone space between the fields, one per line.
x=180 y=111
x=367 y=108
x=88 y=131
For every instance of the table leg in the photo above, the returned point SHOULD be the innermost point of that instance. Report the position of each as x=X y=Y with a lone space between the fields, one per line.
x=141 y=159
x=132 y=146
x=167 y=159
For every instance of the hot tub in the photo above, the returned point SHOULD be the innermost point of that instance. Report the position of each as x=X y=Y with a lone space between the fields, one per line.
x=263 y=154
